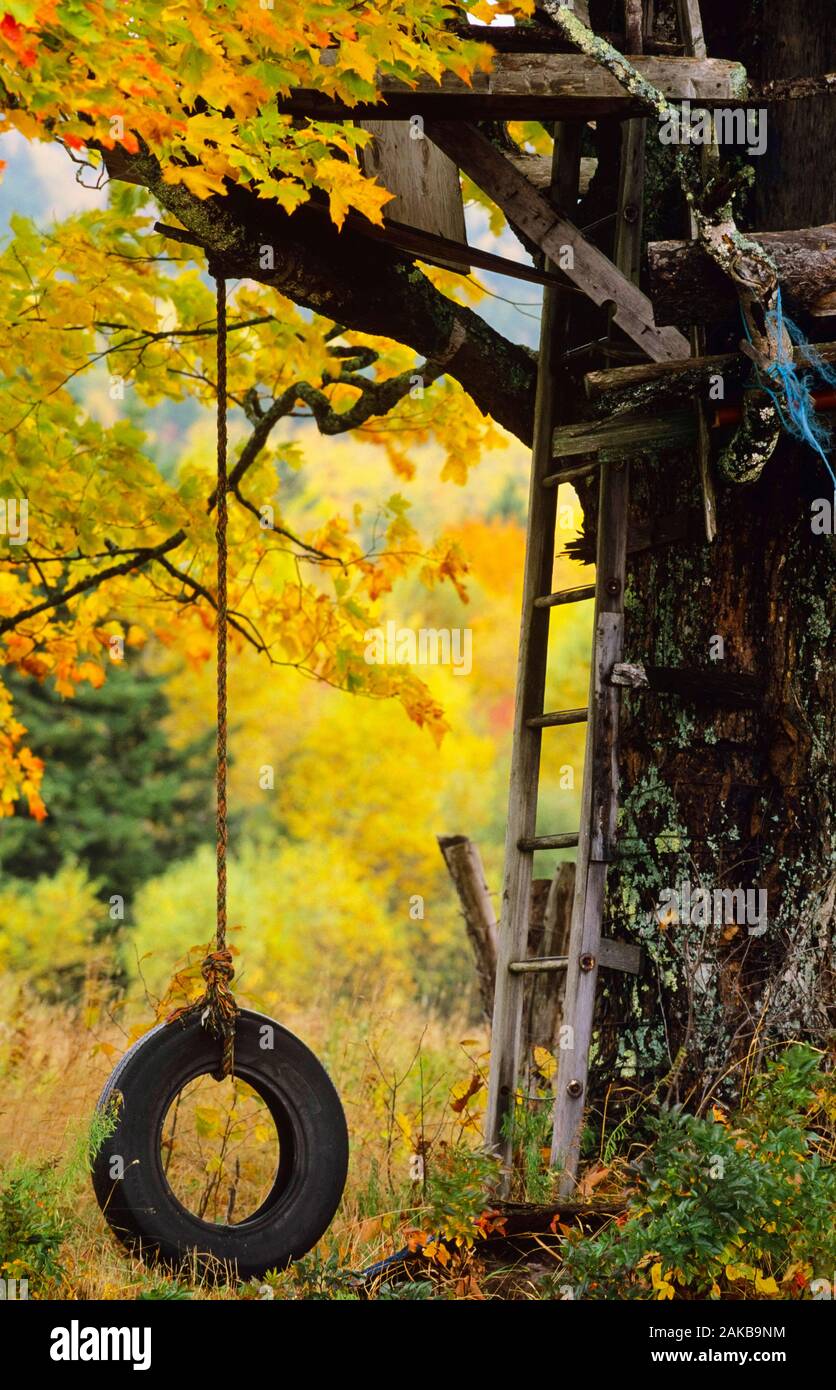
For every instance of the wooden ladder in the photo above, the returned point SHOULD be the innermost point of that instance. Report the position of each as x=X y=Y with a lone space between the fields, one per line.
x=596 y=838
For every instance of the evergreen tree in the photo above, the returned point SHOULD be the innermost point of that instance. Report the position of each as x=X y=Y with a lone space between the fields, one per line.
x=121 y=800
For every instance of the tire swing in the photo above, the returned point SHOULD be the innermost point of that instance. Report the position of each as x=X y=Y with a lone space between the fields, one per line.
x=128 y=1175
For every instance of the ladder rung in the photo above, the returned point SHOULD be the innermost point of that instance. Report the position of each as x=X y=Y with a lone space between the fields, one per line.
x=569 y=475
x=576 y=595
x=612 y=955
x=567 y=841
x=525 y=967
x=558 y=716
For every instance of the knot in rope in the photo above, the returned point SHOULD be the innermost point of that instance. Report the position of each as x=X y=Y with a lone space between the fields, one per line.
x=218 y=1007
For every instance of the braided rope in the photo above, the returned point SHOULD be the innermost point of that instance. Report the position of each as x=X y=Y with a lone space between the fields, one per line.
x=217 y=1007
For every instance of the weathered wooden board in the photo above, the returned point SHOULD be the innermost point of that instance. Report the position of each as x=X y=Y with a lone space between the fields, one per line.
x=464 y=863
x=542 y=86
x=690 y=27
x=624 y=435
x=424 y=181
x=681 y=377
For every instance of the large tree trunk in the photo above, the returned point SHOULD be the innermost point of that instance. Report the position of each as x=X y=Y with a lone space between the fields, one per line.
x=722 y=798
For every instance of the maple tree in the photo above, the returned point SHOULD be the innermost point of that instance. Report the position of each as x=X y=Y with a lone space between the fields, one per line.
x=100 y=310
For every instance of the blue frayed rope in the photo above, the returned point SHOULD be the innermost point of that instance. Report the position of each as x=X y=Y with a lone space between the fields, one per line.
x=800 y=418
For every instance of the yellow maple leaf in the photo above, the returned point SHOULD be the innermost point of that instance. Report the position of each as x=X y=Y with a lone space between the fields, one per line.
x=545 y=1062
x=197 y=179
x=765 y=1284
x=348 y=188
x=660 y=1283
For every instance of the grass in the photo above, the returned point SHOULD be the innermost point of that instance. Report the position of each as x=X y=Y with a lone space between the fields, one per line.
x=394 y=1069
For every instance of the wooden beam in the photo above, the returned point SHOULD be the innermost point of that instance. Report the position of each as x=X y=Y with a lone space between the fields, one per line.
x=528 y=37
x=542 y=86
x=688 y=287
x=581 y=262
x=429 y=246
x=690 y=28
x=680 y=377
x=537 y=168
x=620 y=436
x=612 y=955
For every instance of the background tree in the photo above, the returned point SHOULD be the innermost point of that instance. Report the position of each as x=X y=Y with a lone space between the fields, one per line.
x=122 y=800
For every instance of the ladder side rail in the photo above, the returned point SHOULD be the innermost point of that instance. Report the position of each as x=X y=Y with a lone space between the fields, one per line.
x=598 y=826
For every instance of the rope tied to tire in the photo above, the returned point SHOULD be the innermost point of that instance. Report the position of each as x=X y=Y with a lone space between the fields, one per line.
x=216 y=1006
x=129 y=1177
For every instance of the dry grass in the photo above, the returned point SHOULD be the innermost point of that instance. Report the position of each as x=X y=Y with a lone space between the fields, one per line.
x=394 y=1070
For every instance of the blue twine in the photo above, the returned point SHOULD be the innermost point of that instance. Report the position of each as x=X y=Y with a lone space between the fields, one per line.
x=800 y=419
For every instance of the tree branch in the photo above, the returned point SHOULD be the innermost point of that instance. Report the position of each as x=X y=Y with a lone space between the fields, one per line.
x=345 y=277
x=138 y=561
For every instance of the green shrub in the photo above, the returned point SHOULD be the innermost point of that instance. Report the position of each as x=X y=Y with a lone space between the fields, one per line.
x=32 y=1224
x=736 y=1207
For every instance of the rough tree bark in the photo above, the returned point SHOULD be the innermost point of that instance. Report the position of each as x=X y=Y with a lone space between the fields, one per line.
x=728 y=799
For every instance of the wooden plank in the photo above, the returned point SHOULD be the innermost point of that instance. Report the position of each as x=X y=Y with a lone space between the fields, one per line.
x=425 y=182
x=537 y=168
x=690 y=27
x=542 y=86
x=625 y=435
x=609 y=634
x=633 y=26
x=506 y=1036
x=683 y=376
x=429 y=246
x=582 y=263
x=628 y=228
x=619 y=955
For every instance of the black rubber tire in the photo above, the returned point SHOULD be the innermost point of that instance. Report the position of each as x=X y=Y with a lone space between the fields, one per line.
x=141 y=1208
